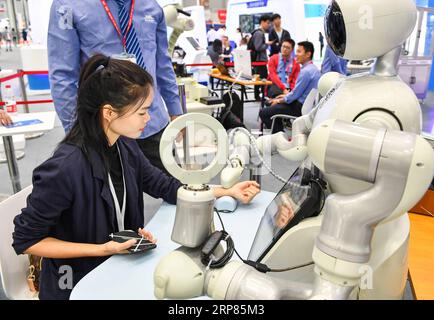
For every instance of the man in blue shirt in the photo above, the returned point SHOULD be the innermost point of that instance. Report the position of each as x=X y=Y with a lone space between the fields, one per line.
x=333 y=63
x=292 y=103
x=79 y=29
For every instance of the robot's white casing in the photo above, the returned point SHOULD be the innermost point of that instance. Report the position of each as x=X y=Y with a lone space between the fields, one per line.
x=374 y=101
x=373 y=27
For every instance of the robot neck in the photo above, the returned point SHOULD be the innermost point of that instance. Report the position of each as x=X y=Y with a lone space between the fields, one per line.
x=386 y=65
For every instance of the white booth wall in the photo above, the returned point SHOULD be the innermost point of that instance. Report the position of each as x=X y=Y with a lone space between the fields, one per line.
x=39 y=15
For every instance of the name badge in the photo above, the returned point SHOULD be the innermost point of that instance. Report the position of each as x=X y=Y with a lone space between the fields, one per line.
x=126 y=56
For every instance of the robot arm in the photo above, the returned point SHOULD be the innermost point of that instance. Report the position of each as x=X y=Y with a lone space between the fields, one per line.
x=296 y=149
x=400 y=167
x=173 y=15
x=238 y=160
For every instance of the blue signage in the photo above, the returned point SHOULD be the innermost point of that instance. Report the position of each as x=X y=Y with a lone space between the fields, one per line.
x=257 y=4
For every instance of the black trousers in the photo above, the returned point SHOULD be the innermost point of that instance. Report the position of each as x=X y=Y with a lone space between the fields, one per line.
x=293 y=109
x=263 y=73
x=151 y=149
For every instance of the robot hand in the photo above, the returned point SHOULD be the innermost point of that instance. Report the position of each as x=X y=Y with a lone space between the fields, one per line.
x=238 y=160
x=173 y=13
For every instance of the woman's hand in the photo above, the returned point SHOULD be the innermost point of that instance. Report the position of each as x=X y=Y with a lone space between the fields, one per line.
x=147 y=235
x=4 y=118
x=112 y=247
x=244 y=191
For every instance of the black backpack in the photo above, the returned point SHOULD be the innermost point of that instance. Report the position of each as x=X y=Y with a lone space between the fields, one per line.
x=230 y=115
x=251 y=47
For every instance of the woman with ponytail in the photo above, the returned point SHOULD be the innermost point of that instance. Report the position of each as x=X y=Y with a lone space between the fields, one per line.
x=93 y=184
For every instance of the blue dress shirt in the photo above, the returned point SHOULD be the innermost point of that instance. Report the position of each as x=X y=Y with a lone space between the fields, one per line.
x=306 y=81
x=284 y=68
x=333 y=63
x=79 y=29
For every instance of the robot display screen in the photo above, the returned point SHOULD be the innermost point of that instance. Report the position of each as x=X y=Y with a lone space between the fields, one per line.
x=194 y=43
x=286 y=210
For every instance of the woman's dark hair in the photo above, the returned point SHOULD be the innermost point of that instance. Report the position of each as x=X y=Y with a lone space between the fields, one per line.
x=217 y=46
x=105 y=81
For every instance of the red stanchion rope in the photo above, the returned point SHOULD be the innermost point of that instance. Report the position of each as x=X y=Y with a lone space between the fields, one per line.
x=22 y=73
x=28 y=102
x=227 y=64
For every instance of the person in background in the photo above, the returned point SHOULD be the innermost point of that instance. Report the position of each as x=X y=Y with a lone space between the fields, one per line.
x=7 y=36
x=321 y=43
x=5 y=120
x=96 y=170
x=221 y=32
x=238 y=37
x=215 y=52
x=126 y=29
x=292 y=103
x=283 y=70
x=211 y=35
x=14 y=37
x=227 y=50
x=243 y=43
x=277 y=34
x=24 y=34
x=333 y=63
x=259 y=50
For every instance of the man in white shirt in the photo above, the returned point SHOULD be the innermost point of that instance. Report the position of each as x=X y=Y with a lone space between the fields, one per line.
x=211 y=35
x=221 y=33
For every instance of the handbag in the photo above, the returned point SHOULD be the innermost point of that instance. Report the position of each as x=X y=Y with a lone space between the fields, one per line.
x=34 y=273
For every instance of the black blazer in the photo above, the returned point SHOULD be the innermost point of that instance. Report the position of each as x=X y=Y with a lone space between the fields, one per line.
x=71 y=201
x=275 y=47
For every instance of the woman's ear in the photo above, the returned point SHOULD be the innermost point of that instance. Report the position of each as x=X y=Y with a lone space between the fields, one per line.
x=108 y=113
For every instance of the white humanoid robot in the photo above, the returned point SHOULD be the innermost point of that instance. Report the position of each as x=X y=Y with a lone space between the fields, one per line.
x=364 y=137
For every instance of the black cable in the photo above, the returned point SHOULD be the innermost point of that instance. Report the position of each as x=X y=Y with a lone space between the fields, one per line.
x=321 y=187
x=231 y=249
x=292 y=268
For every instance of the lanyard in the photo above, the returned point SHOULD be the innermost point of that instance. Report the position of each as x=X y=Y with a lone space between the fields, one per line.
x=120 y=213
x=113 y=21
x=288 y=66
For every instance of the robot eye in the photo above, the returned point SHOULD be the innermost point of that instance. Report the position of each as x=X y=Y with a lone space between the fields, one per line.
x=334 y=26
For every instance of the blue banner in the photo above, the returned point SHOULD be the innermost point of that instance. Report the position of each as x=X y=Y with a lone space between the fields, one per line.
x=257 y=4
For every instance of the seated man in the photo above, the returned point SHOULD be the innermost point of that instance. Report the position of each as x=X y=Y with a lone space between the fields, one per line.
x=283 y=70
x=333 y=63
x=292 y=103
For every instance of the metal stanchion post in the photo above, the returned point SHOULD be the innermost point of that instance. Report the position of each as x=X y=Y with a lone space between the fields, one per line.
x=12 y=163
x=18 y=154
x=186 y=144
x=26 y=107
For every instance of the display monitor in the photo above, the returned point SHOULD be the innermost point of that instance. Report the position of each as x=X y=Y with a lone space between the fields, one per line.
x=194 y=43
x=243 y=63
x=301 y=197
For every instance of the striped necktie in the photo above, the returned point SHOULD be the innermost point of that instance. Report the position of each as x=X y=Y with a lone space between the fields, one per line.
x=132 y=42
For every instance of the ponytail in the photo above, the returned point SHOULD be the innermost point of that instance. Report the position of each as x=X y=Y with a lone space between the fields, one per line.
x=104 y=81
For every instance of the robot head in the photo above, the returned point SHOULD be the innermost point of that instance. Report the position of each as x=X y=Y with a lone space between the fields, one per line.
x=364 y=29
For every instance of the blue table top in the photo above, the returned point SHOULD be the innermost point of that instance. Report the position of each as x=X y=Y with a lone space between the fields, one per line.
x=130 y=277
